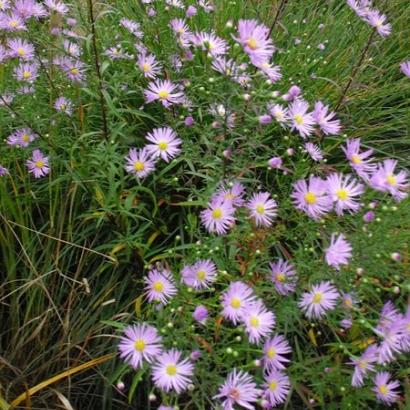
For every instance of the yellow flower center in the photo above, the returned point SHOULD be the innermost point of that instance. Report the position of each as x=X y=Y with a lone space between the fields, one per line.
x=363 y=364
x=260 y=209
x=26 y=74
x=201 y=275
x=356 y=159
x=74 y=71
x=310 y=198
x=39 y=164
x=217 y=213
x=146 y=67
x=229 y=195
x=171 y=370
x=235 y=303
x=252 y=43
x=298 y=119
x=62 y=107
x=163 y=94
x=348 y=303
x=13 y=23
x=408 y=326
x=379 y=23
x=162 y=145
x=139 y=166
x=254 y=321
x=181 y=31
x=21 y=52
x=158 y=286
x=279 y=115
x=271 y=353
x=342 y=194
x=26 y=138
x=391 y=180
x=273 y=385
x=280 y=277
x=383 y=389
x=317 y=298
x=139 y=345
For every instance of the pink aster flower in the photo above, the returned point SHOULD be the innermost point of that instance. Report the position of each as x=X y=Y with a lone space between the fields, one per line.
x=238 y=389
x=258 y=321
x=384 y=179
x=236 y=300
x=359 y=161
x=211 y=43
x=283 y=277
x=345 y=192
x=293 y=93
x=277 y=387
x=274 y=351
x=199 y=275
x=133 y=27
x=320 y=299
x=349 y=300
x=339 y=251
x=159 y=286
x=191 y=11
x=271 y=71
x=405 y=68
x=139 y=162
x=314 y=151
x=165 y=92
x=378 y=21
x=29 y=8
x=234 y=194
x=325 y=119
x=312 y=197
x=200 y=314
x=300 y=119
x=22 y=137
x=38 y=164
x=4 y=5
x=3 y=171
x=219 y=216
x=165 y=143
x=391 y=344
x=74 y=69
x=255 y=41
x=63 y=104
x=140 y=342
x=172 y=373
x=180 y=27
x=11 y=22
x=148 y=64
x=57 y=6
x=363 y=365
x=26 y=71
x=262 y=209
x=385 y=388
x=280 y=113
x=71 y=48
x=20 y=48
x=225 y=66
x=405 y=342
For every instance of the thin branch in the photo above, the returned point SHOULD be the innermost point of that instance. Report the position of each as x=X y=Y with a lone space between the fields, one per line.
x=278 y=13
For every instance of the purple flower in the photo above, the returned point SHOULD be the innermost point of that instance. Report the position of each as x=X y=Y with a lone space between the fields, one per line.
x=345 y=191
x=5 y=5
x=283 y=276
x=140 y=342
x=384 y=179
x=236 y=301
x=339 y=251
x=388 y=316
x=312 y=197
x=234 y=194
x=22 y=137
x=277 y=387
x=72 y=48
x=300 y=119
x=262 y=209
x=29 y=8
x=238 y=389
x=199 y=275
x=200 y=314
x=325 y=120
x=139 y=162
x=293 y=93
x=271 y=71
x=255 y=41
x=211 y=43
x=191 y=11
x=117 y=53
x=3 y=171
x=405 y=68
x=165 y=143
x=38 y=164
x=275 y=162
x=363 y=365
x=359 y=161
x=20 y=48
x=133 y=27
x=159 y=286
x=73 y=69
x=349 y=300
x=57 y=6
x=11 y=22
x=189 y=121
x=149 y=65
x=385 y=389
x=369 y=216
x=258 y=321
x=320 y=299
x=163 y=91
x=378 y=21
x=391 y=344
x=172 y=373
x=274 y=351
x=265 y=119
x=219 y=216
x=64 y=105
x=405 y=342
x=314 y=151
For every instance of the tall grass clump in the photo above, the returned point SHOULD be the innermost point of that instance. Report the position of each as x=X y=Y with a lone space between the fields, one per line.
x=204 y=205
